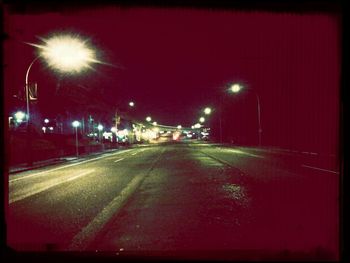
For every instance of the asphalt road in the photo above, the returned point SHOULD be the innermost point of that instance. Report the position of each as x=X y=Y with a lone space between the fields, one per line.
x=191 y=200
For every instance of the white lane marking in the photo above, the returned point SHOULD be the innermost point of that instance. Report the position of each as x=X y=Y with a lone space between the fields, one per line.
x=88 y=233
x=118 y=153
x=81 y=240
x=119 y=160
x=45 y=186
x=316 y=168
x=313 y=153
x=62 y=167
x=134 y=153
x=245 y=153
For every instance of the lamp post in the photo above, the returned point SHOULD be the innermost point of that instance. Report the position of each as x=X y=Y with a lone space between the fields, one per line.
x=235 y=89
x=76 y=124
x=259 y=118
x=100 y=128
x=27 y=87
x=220 y=116
x=207 y=110
x=64 y=53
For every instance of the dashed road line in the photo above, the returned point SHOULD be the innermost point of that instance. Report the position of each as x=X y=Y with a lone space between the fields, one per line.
x=119 y=160
x=90 y=231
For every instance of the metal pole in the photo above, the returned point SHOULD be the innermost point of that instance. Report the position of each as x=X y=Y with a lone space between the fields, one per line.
x=259 y=120
x=29 y=145
x=220 y=129
x=220 y=119
x=76 y=141
x=27 y=87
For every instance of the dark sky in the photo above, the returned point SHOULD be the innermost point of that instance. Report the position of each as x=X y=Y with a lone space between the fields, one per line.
x=174 y=61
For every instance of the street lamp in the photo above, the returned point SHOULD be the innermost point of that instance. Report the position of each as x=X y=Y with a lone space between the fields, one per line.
x=64 y=53
x=100 y=128
x=154 y=123
x=76 y=124
x=131 y=104
x=179 y=127
x=19 y=115
x=201 y=119
x=207 y=110
x=148 y=118
x=235 y=88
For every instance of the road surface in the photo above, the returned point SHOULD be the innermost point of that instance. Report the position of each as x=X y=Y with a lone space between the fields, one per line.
x=182 y=199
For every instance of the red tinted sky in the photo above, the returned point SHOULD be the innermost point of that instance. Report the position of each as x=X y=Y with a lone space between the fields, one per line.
x=173 y=62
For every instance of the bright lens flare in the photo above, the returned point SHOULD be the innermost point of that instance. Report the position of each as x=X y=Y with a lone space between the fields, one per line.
x=207 y=110
x=67 y=53
x=235 y=88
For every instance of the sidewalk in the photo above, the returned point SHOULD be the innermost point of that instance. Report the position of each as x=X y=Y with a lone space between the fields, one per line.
x=38 y=164
x=24 y=167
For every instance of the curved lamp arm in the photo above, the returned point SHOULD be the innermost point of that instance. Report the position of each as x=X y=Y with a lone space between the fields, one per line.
x=27 y=88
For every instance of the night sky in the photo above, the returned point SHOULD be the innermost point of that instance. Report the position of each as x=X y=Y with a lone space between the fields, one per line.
x=175 y=61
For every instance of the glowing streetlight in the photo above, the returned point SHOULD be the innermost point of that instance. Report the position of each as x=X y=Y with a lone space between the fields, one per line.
x=131 y=104
x=67 y=53
x=207 y=110
x=201 y=119
x=100 y=128
x=197 y=125
x=179 y=127
x=19 y=116
x=64 y=53
x=148 y=119
x=76 y=124
x=235 y=88
x=155 y=123
x=46 y=120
